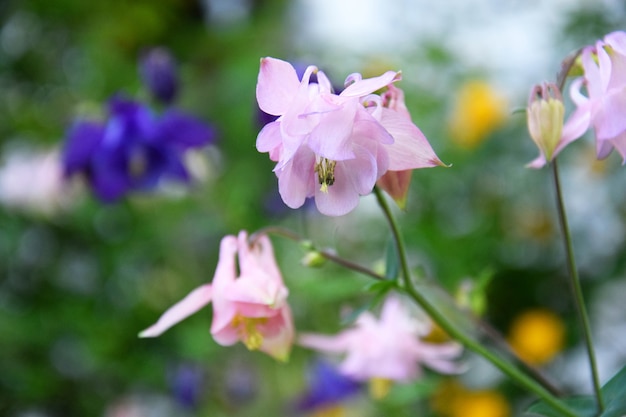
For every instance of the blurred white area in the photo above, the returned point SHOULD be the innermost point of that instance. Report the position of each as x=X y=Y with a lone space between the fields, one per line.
x=512 y=40
x=32 y=181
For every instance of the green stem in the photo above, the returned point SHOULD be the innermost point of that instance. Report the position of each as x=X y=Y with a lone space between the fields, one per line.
x=576 y=288
x=452 y=330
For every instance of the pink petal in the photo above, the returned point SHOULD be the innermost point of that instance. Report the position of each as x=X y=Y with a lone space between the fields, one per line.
x=279 y=334
x=617 y=41
x=297 y=179
x=592 y=73
x=276 y=86
x=340 y=198
x=609 y=120
x=411 y=148
x=193 y=302
x=369 y=85
x=330 y=139
x=269 y=137
x=332 y=344
x=538 y=162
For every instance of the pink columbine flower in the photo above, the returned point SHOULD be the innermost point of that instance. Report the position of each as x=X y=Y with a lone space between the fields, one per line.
x=333 y=147
x=604 y=108
x=251 y=308
x=387 y=348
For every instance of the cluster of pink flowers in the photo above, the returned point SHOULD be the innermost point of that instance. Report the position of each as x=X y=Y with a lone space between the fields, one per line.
x=603 y=107
x=335 y=147
x=252 y=308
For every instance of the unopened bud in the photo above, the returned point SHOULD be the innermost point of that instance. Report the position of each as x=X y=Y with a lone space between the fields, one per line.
x=313 y=259
x=545 y=115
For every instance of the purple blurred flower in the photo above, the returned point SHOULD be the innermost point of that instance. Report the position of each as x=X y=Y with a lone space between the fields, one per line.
x=187 y=382
x=326 y=387
x=158 y=71
x=133 y=149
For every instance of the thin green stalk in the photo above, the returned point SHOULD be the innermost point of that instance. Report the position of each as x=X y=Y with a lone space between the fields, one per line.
x=576 y=289
x=452 y=330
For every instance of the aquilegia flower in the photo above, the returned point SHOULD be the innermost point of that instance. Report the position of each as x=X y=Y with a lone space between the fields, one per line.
x=333 y=147
x=604 y=66
x=251 y=308
x=389 y=348
x=134 y=149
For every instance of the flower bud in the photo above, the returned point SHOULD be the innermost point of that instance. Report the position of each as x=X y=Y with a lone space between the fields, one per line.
x=545 y=115
x=313 y=259
x=159 y=74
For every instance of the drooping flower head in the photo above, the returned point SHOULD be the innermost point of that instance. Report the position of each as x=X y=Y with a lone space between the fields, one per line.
x=133 y=149
x=604 y=107
x=249 y=299
x=333 y=147
x=388 y=348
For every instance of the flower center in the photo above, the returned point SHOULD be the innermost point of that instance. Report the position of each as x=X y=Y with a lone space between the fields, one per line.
x=325 y=169
x=248 y=332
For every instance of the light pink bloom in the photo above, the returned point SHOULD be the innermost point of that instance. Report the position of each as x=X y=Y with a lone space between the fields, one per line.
x=604 y=108
x=333 y=147
x=32 y=181
x=251 y=308
x=388 y=348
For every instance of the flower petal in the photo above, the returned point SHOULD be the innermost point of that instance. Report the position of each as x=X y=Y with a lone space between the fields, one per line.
x=369 y=85
x=193 y=302
x=277 y=86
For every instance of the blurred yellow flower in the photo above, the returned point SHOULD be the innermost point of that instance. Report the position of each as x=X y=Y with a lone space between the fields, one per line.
x=537 y=336
x=478 y=111
x=330 y=411
x=454 y=400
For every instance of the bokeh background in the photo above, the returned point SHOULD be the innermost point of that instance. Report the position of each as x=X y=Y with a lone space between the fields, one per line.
x=79 y=279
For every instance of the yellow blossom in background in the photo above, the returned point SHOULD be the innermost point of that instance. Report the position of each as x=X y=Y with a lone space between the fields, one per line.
x=537 y=336
x=478 y=111
x=330 y=411
x=454 y=400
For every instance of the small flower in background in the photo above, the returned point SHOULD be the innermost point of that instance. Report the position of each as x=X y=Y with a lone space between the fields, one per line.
x=187 y=382
x=605 y=106
x=133 y=149
x=545 y=114
x=327 y=389
x=251 y=308
x=454 y=400
x=32 y=181
x=333 y=147
x=537 y=336
x=478 y=111
x=387 y=349
x=158 y=71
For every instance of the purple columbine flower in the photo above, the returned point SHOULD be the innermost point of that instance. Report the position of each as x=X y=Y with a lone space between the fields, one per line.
x=327 y=386
x=158 y=71
x=134 y=149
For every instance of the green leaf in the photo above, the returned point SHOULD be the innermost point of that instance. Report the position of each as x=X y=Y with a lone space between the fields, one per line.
x=613 y=393
x=585 y=406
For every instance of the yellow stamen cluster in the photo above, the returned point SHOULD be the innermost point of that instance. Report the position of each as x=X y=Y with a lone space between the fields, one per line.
x=325 y=169
x=247 y=328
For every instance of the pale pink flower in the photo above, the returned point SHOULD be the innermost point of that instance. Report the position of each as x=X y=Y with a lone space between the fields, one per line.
x=388 y=348
x=604 y=107
x=333 y=147
x=32 y=181
x=251 y=308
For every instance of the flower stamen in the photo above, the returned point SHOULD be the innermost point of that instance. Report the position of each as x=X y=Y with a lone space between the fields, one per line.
x=325 y=169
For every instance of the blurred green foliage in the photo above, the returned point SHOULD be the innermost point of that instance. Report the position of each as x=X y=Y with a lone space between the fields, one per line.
x=77 y=287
